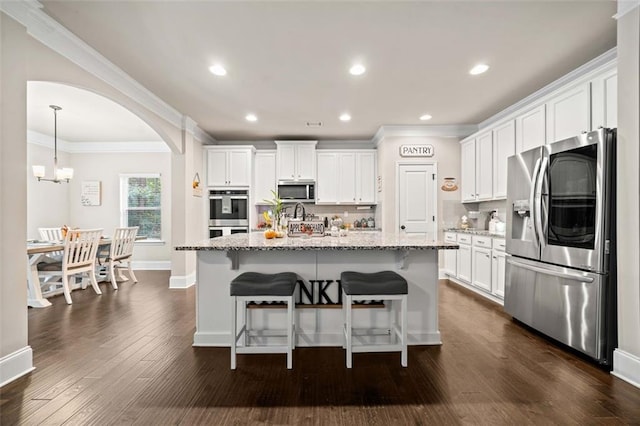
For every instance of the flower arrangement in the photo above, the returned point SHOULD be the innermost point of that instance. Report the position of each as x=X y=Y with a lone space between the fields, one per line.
x=273 y=216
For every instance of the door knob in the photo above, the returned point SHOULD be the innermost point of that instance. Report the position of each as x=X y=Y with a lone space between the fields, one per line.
x=402 y=227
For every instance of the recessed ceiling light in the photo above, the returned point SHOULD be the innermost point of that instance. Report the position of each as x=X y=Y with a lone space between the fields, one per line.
x=218 y=70
x=479 y=69
x=425 y=117
x=357 y=69
x=251 y=117
x=345 y=117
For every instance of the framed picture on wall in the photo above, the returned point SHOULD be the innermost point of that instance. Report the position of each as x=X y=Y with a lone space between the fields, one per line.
x=91 y=193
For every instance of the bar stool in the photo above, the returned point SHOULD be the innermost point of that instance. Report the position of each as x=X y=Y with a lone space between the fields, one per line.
x=384 y=285
x=257 y=287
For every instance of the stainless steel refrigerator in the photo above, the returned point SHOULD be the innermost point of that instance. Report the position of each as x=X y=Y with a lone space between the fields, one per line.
x=560 y=241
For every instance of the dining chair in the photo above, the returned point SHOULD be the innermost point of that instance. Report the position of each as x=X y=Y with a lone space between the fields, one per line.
x=79 y=257
x=120 y=252
x=50 y=234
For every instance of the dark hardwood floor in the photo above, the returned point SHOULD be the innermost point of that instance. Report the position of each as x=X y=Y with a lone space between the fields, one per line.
x=126 y=358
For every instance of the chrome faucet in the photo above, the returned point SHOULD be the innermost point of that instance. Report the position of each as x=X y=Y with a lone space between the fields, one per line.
x=295 y=211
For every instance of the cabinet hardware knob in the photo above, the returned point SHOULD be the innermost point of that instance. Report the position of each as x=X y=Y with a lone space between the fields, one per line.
x=402 y=227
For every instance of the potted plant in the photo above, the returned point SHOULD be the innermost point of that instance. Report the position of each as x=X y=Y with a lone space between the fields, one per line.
x=277 y=209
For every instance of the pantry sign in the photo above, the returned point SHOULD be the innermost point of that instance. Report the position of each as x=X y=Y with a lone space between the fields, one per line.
x=416 y=150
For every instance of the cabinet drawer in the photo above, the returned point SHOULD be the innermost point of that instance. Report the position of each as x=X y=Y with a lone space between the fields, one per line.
x=450 y=237
x=482 y=241
x=499 y=244
x=464 y=239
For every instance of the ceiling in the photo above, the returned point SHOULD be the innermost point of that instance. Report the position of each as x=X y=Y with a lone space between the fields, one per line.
x=288 y=62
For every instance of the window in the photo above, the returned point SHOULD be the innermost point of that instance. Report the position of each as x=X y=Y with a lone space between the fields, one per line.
x=140 y=204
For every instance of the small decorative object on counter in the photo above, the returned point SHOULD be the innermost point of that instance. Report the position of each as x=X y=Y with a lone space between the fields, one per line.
x=356 y=224
x=464 y=224
x=371 y=223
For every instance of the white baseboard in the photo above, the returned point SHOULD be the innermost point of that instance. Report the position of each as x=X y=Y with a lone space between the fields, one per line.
x=151 y=265
x=15 y=365
x=626 y=367
x=442 y=275
x=182 y=281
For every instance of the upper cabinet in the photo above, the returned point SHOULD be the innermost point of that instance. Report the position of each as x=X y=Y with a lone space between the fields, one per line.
x=468 y=170
x=531 y=129
x=346 y=177
x=504 y=146
x=229 y=166
x=264 y=176
x=296 y=160
x=604 y=100
x=484 y=166
x=476 y=168
x=569 y=113
x=587 y=103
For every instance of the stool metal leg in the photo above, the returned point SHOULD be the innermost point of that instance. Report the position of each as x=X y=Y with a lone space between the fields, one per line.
x=234 y=309
x=290 y=333
x=403 y=320
x=349 y=331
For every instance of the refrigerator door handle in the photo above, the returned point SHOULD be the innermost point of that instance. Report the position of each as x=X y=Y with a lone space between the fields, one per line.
x=532 y=193
x=537 y=205
x=563 y=275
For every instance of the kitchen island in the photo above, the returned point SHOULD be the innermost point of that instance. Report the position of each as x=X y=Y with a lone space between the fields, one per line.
x=318 y=261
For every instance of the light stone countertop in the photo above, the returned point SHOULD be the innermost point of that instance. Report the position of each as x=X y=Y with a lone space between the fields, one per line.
x=353 y=241
x=474 y=231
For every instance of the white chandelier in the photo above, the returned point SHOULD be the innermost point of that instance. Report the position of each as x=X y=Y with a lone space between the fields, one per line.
x=59 y=175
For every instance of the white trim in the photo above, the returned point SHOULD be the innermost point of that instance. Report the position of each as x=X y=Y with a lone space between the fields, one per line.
x=607 y=59
x=151 y=265
x=626 y=366
x=476 y=290
x=40 y=139
x=184 y=281
x=625 y=6
x=445 y=131
x=16 y=365
x=202 y=136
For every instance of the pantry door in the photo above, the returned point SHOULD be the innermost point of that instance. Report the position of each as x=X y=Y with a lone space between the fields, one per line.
x=417 y=198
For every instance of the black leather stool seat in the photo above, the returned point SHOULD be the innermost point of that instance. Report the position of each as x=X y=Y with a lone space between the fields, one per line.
x=384 y=282
x=257 y=284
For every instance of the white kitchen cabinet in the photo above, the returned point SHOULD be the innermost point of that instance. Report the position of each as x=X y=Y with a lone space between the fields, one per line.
x=504 y=146
x=604 y=100
x=264 y=180
x=498 y=267
x=476 y=174
x=569 y=113
x=531 y=129
x=484 y=166
x=450 y=256
x=296 y=160
x=327 y=182
x=366 y=177
x=345 y=177
x=468 y=170
x=229 y=166
x=463 y=260
x=481 y=262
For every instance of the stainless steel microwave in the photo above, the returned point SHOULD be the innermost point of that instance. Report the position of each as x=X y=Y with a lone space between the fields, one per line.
x=297 y=192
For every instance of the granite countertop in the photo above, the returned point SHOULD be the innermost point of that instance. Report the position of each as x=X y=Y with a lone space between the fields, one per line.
x=474 y=231
x=353 y=241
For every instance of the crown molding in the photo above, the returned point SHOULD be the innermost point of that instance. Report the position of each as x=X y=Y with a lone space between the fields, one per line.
x=443 y=131
x=52 y=34
x=625 y=6
x=608 y=58
x=46 y=141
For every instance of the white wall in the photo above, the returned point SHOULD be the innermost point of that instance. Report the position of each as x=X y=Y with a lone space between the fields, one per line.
x=446 y=155
x=627 y=356
x=47 y=202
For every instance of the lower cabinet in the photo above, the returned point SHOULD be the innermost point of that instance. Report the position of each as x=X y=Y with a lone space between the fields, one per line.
x=479 y=264
x=498 y=267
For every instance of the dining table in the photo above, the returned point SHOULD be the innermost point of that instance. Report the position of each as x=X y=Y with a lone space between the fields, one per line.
x=41 y=251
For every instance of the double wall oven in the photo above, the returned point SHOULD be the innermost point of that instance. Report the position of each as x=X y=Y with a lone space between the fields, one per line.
x=561 y=241
x=228 y=212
